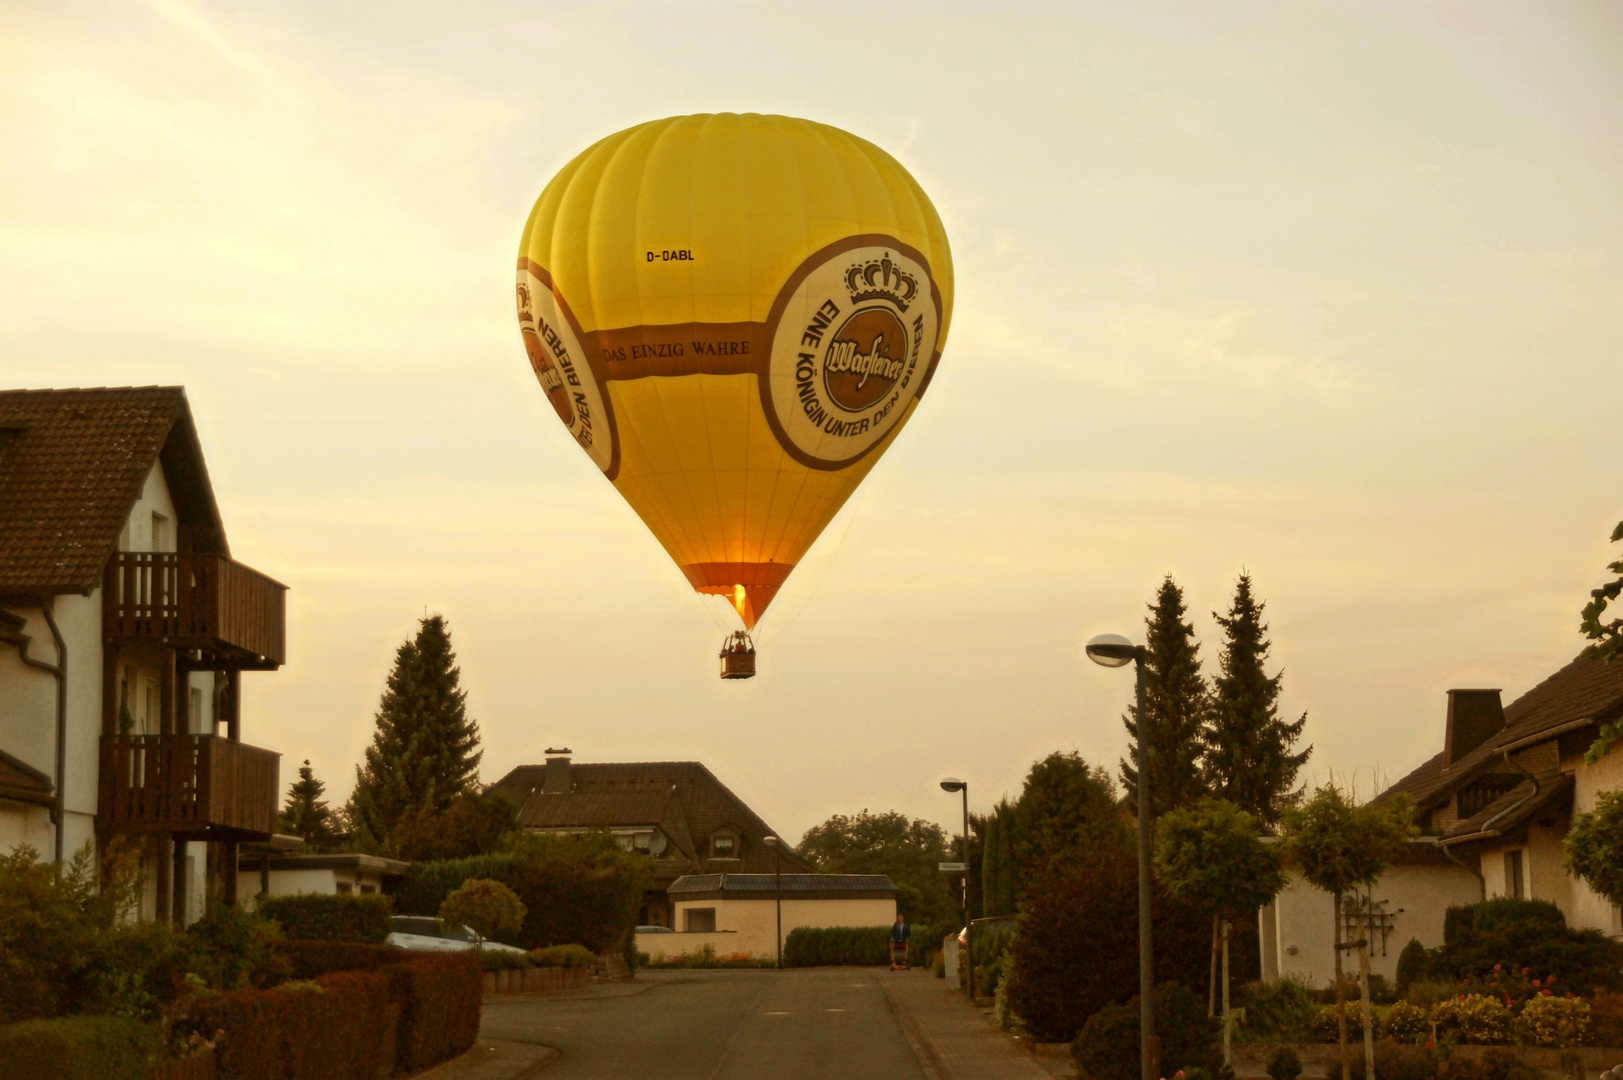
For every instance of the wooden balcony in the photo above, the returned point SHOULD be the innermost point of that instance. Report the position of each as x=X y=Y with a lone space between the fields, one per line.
x=201 y=785
x=235 y=615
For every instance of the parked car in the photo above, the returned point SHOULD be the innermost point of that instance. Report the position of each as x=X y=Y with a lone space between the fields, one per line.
x=655 y=930
x=432 y=935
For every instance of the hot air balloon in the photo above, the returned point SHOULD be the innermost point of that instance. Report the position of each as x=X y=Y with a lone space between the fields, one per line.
x=734 y=315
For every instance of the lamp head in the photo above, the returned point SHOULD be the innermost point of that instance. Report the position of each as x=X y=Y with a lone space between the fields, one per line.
x=953 y=784
x=770 y=841
x=1111 y=650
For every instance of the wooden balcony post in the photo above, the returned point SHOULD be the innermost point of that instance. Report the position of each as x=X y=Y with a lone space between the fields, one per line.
x=178 y=908
x=166 y=693
x=228 y=872
x=233 y=716
x=165 y=890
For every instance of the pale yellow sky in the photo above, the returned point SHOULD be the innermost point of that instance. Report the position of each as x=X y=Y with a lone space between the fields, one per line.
x=1330 y=292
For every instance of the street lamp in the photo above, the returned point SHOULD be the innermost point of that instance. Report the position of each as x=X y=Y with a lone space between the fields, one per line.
x=1114 y=651
x=777 y=881
x=951 y=784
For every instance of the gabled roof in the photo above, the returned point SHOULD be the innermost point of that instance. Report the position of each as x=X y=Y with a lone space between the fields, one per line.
x=683 y=798
x=21 y=782
x=1585 y=691
x=73 y=463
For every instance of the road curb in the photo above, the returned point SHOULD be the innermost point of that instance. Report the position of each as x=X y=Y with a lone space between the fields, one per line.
x=928 y=1061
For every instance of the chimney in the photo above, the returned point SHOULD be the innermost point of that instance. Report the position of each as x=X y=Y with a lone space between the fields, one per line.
x=1474 y=717
x=555 y=781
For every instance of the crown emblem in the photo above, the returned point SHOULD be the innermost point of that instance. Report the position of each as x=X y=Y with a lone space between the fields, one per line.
x=524 y=301
x=881 y=279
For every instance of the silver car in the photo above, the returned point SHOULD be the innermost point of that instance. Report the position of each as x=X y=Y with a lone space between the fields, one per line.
x=432 y=935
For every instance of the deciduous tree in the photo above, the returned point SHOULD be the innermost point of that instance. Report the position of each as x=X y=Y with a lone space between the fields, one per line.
x=1594 y=846
x=909 y=851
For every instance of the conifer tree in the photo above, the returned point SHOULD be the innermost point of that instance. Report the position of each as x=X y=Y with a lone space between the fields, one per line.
x=997 y=863
x=1176 y=701
x=424 y=752
x=306 y=813
x=1248 y=747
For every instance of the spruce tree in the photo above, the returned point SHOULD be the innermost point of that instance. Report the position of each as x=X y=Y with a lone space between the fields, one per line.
x=997 y=864
x=424 y=753
x=1248 y=748
x=306 y=813
x=1176 y=701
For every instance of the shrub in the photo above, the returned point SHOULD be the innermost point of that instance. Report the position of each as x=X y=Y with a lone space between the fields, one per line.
x=1279 y=1011
x=1076 y=949
x=232 y=948
x=1496 y=1063
x=307 y=959
x=318 y=917
x=439 y=994
x=426 y=884
x=819 y=946
x=1553 y=1021
x=1107 y=1047
x=1408 y=1023
x=564 y=956
x=1393 y=1061
x=1284 y=1063
x=1326 y=1029
x=1414 y=965
x=472 y=825
x=1428 y=992
x=1526 y=937
x=1606 y=1014
x=1476 y=1018
x=79 y=1048
x=488 y=907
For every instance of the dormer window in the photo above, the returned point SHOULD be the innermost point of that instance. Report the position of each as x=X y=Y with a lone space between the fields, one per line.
x=724 y=846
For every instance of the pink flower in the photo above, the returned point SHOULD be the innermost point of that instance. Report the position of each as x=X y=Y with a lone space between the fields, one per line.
x=1496 y=967
x=1544 y=993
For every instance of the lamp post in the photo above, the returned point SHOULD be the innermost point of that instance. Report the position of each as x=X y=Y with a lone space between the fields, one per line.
x=777 y=883
x=1114 y=651
x=951 y=784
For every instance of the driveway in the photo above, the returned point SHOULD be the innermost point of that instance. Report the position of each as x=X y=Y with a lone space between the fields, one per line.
x=809 y=1024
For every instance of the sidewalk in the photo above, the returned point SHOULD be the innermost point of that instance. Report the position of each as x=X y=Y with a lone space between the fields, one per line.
x=954 y=1040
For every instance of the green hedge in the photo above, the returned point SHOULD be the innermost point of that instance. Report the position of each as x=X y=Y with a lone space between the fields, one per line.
x=390 y=1010
x=330 y=917
x=77 y=1048
x=427 y=884
x=817 y=947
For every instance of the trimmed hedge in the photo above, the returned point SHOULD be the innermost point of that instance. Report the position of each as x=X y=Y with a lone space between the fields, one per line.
x=323 y=917
x=78 y=1048
x=369 y=1011
x=820 y=946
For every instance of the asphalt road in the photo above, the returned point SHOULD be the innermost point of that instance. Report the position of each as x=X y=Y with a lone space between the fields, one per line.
x=811 y=1024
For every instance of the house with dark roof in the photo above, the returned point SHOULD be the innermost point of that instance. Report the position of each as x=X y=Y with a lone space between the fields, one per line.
x=677 y=811
x=1493 y=807
x=742 y=914
x=125 y=626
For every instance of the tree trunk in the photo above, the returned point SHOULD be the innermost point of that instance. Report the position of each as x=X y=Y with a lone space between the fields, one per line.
x=1228 y=1024
x=1363 y=979
x=1211 y=984
x=1341 y=999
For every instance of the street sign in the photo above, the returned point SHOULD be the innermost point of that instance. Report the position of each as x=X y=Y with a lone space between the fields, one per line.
x=954 y=867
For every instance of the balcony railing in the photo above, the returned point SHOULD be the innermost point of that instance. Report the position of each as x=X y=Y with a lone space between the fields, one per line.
x=188 y=784
x=197 y=601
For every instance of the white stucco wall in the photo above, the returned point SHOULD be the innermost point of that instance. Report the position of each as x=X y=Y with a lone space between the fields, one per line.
x=749 y=925
x=1298 y=928
x=21 y=823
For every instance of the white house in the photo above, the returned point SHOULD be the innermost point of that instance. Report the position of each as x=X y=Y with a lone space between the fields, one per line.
x=125 y=627
x=1493 y=807
x=739 y=913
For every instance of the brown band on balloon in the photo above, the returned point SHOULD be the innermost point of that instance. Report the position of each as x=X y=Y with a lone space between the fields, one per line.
x=593 y=362
x=670 y=349
x=724 y=575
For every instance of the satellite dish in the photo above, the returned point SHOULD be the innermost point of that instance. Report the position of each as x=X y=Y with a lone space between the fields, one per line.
x=656 y=843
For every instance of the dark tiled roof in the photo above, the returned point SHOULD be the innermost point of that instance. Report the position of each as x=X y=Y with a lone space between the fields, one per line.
x=683 y=798
x=22 y=782
x=765 y=886
x=73 y=462
x=1585 y=689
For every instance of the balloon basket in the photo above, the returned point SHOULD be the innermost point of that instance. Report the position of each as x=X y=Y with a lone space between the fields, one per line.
x=738 y=656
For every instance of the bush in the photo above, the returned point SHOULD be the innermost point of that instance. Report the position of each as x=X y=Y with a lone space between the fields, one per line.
x=1414 y=965
x=1107 y=1047
x=1489 y=915
x=1476 y=1018
x=488 y=907
x=1553 y=1021
x=821 y=946
x=1284 y=1063
x=1429 y=992
x=318 y=917
x=1393 y=1061
x=1278 y=1011
x=564 y=956
x=1076 y=949
x=232 y=949
x=426 y=884
x=1606 y=1014
x=472 y=825
x=1408 y=1023
x=1327 y=1030
x=307 y=959
x=1496 y=1063
x=1526 y=937
x=79 y=1048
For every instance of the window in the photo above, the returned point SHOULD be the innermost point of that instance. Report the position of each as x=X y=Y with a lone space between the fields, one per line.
x=160 y=532
x=1515 y=886
x=345 y=888
x=701 y=920
x=195 y=720
x=724 y=846
x=368 y=890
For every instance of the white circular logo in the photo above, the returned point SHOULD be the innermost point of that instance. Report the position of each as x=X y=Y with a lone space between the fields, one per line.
x=853 y=337
x=563 y=368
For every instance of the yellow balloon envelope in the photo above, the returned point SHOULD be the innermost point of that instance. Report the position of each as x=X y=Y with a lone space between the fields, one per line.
x=734 y=315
